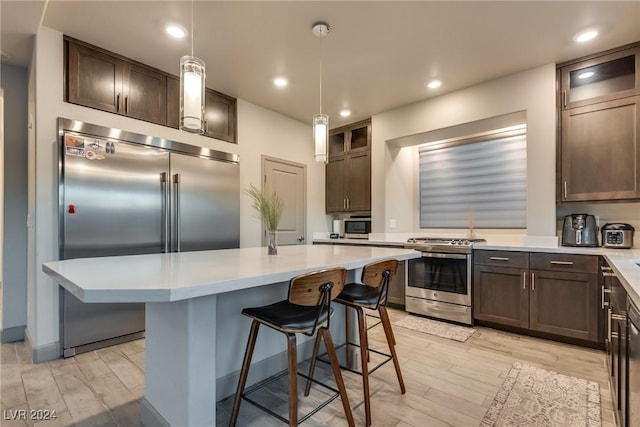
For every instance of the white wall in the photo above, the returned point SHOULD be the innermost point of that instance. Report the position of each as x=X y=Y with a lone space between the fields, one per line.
x=14 y=171
x=260 y=131
x=394 y=179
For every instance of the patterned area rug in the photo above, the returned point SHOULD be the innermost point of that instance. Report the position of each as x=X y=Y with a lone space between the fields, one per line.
x=535 y=397
x=434 y=327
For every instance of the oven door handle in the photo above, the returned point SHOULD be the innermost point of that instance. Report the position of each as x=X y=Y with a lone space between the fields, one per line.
x=443 y=255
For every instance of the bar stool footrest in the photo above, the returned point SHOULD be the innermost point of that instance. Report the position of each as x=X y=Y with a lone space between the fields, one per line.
x=387 y=357
x=260 y=385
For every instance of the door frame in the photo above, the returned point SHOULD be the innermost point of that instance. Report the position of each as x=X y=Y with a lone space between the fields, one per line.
x=263 y=178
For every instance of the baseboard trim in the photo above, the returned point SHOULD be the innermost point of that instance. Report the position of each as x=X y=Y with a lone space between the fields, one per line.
x=44 y=353
x=12 y=334
x=149 y=416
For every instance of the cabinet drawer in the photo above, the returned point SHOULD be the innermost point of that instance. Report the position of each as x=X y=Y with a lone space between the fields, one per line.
x=502 y=258
x=565 y=262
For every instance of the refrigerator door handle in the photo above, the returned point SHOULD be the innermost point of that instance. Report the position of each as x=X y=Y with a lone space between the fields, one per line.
x=165 y=212
x=176 y=183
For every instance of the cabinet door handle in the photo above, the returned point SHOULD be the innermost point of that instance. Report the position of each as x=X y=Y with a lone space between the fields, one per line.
x=620 y=317
x=344 y=204
x=608 y=274
x=565 y=189
x=533 y=281
x=498 y=258
x=348 y=203
x=561 y=262
x=117 y=103
x=564 y=98
x=609 y=332
x=603 y=268
x=126 y=104
x=524 y=280
x=603 y=291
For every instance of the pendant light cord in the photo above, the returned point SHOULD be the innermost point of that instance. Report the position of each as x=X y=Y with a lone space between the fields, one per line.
x=320 y=74
x=192 y=29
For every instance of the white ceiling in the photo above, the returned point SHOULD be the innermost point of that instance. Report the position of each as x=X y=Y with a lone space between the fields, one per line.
x=379 y=54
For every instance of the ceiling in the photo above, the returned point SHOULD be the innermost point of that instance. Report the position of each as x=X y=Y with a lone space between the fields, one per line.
x=379 y=54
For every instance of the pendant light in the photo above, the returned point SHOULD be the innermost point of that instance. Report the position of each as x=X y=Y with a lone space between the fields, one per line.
x=192 y=78
x=320 y=121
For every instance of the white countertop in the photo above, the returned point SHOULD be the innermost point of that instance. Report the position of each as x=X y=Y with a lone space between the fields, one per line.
x=180 y=276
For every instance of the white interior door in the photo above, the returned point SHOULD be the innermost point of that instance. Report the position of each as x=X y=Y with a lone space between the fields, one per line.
x=288 y=180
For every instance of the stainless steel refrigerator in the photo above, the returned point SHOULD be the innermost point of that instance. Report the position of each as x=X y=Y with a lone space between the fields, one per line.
x=122 y=193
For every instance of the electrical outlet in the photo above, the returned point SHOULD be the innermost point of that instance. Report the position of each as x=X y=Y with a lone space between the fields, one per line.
x=393 y=223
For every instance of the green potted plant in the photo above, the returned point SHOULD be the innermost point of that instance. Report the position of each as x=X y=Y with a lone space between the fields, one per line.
x=269 y=207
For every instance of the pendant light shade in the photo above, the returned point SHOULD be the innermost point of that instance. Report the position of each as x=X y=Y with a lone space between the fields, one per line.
x=320 y=137
x=192 y=81
x=192 y=78
x=320 y=121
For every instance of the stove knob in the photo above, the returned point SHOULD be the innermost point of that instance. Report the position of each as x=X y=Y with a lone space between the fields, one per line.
x=466 y=242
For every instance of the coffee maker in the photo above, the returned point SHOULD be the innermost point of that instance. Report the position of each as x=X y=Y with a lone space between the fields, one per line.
x=579 y=230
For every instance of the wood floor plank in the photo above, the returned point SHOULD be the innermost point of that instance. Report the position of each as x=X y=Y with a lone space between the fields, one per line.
x=41 y=389
x=130 y=375
x=8 y=354
x=11 y=389
x=85 y=408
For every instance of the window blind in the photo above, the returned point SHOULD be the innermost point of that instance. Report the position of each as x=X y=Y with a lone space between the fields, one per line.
x=484 y=177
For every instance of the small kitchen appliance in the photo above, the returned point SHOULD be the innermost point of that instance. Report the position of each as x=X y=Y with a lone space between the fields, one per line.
x=357 y=227
x=617 y=235
x=579 y=230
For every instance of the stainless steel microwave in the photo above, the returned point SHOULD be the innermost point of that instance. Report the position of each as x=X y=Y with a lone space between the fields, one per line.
x=357 y=228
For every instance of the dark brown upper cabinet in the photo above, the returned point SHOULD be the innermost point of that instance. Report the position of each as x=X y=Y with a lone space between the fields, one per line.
x=94 y=79
x=220 y=116
x=599 y=127
x=603 y=78
x=100 y=80
x=350 y=139
x=348 y=173
x=173 y=102
x=107 y=81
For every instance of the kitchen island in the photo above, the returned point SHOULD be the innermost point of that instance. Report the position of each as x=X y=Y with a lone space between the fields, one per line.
x=195 y=334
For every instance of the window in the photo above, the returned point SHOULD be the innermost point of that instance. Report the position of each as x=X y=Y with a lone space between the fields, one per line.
x=481 y=179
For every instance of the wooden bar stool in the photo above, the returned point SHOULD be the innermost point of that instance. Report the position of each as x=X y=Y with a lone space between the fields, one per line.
x=306 y=310
x=371 y=294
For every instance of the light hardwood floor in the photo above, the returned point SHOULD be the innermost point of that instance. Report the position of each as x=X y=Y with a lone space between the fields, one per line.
x=448 y=383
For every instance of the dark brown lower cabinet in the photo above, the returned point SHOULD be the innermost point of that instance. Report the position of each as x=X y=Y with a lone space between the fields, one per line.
x=558 y=298
x=564 y=304
x=501 y=296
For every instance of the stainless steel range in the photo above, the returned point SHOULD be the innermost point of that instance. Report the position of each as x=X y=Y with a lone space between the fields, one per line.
x=439 y=283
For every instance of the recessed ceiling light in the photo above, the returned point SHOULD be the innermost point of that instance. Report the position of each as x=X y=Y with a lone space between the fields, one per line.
x=345 y=113
x=585 y=36
x=586 y=75
x=434 y=84
x=280 y=81
x=175 y=31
